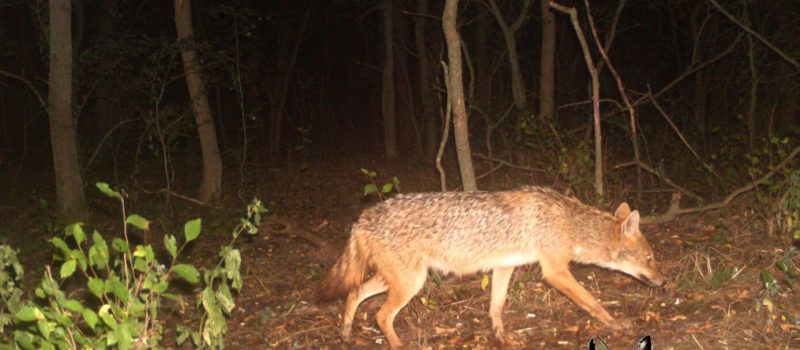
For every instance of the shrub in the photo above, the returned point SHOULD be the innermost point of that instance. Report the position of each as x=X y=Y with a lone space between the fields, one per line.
x=124 y=289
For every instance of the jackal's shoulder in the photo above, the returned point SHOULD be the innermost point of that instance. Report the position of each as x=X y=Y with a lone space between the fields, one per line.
x=571 y=204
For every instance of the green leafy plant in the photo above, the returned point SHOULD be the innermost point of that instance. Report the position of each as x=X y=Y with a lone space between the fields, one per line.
x=789 y=208
x=216 y=299
x=385 y=189
x=772 y=284
x=11 y=274
x=124 y=289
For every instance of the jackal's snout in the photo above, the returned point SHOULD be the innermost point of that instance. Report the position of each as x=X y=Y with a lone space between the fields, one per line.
x=653 y=277
x=639 y=266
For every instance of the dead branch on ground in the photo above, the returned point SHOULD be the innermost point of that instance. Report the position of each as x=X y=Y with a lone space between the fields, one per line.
x=661 y=177
x=285 y=226
x=675 y=209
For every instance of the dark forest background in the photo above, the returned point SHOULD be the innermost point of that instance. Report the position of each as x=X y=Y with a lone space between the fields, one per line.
x=689 y=110
x=297 y=81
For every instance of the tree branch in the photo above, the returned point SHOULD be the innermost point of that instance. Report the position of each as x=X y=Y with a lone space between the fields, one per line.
x=676 y=210
x=760 y=38
x=27 y=83
x=683 y=139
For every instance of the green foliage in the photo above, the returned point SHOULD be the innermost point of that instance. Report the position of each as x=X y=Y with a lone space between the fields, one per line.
x=786 y=279
x=125 y=287
x=385 y=189
x=567 y=158
x=720 y=276
x=789 y=207
x=778 y=197
x=11 y=274
x=576 y=166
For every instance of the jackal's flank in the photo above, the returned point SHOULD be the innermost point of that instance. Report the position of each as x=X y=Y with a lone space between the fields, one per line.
x=395 y=243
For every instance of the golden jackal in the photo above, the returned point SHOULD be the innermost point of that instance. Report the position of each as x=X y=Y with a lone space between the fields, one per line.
x=465 y=232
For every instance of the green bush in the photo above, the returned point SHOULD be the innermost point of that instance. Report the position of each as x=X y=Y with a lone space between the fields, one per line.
x=11 y=274
x=124 y=288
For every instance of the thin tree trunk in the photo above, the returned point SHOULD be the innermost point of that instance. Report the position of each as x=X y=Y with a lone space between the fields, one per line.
x=592 y=68
x=388 y=103
x=456 y=93
x=78 y=28
x=517 y=82
x=548 y=66
x=621 y=89
x=753 y=96
x=406 y=109
x=483 y=66
x=70 y=203
x=104 y=95
x=211 y=188
x=279 y=89
x=425 y=89
x=283 y=76
x=700 y=104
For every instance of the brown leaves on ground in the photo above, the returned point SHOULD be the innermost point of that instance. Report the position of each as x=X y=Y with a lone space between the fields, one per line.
x=713 y=263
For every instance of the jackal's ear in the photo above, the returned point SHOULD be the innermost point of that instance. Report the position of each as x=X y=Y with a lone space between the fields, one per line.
x=623 y=211
x=630 y=227
x=644 y=344
x=597 y=343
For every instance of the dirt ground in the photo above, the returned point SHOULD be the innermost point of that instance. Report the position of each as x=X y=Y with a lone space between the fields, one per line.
x=716 y=297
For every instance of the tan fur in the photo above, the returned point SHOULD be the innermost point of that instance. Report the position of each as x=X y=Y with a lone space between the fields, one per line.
x=400 y=239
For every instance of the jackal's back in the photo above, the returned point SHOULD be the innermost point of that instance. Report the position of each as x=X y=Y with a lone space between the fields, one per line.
x=466 y=231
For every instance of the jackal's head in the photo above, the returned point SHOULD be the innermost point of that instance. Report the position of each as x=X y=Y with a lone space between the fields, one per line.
x=632 y=254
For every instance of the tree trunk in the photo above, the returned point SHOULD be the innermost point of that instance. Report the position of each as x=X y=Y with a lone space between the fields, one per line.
x=483 y=69
x=425 y=89
x=752 y=133
x=102 y=112
x=700 y=105
x=406 y=111
x=279 y=86
x=388 y=103
x=592 y=68
x=517 y=82
x=70 y=203
x=548 y=70
x=281 y=77
x=456 y=93
x=211 y=188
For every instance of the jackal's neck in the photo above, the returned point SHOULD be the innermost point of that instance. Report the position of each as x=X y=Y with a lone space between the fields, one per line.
x=598 y=244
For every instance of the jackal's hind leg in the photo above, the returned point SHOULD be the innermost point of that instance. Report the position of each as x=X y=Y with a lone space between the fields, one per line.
x=371 y=287
x=403 y=285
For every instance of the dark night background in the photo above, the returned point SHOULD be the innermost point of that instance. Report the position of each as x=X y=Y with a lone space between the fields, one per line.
x=295 y=92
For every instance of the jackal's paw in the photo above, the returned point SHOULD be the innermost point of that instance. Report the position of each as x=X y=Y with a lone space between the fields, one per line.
x=345 y=333
x=504 y=340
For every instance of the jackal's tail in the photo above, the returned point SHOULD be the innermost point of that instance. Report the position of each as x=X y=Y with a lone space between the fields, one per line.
x=347 y=274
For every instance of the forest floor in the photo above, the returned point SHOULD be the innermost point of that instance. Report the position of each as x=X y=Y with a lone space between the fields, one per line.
x=715 y=297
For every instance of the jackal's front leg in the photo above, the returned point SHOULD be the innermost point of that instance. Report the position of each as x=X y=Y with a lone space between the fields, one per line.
x=560 y=278
x=500 y=278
